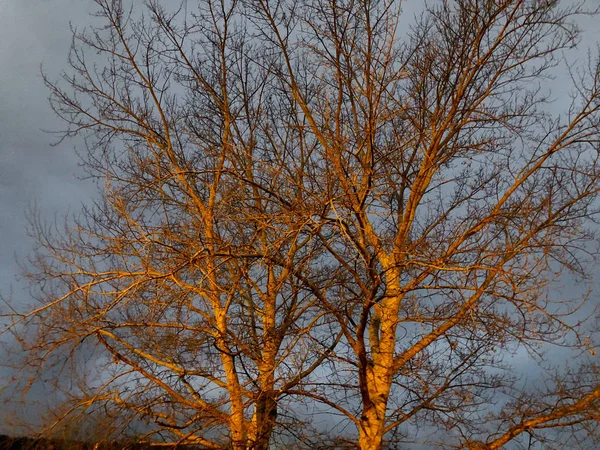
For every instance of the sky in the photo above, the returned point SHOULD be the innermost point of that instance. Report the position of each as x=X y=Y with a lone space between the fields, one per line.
x=33 y=33
x=32 y=172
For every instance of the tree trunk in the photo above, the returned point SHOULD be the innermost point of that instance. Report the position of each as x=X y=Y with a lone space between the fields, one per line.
x=370 y=433
x=237 y=422
x=372 y=423
x=265 y=408
x=265 y=416
x=378 y=373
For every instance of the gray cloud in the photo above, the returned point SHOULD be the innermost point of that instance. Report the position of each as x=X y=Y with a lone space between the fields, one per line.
x=32 y=32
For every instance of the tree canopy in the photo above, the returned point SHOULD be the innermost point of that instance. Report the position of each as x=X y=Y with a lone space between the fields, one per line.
x=320 y=211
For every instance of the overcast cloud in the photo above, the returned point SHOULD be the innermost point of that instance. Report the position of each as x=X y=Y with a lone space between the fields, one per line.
x=32 y=32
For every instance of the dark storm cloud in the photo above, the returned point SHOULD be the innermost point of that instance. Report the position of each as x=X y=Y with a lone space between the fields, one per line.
x=32 y=32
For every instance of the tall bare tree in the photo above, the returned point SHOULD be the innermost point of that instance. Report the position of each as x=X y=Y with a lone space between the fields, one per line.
x=455 y=200
x=180 y=275
x=311 y=200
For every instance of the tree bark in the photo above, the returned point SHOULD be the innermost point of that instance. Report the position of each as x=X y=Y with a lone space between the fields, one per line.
x=378 y=373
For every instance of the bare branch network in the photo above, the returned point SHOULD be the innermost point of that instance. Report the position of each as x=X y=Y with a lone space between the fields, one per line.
x=325 y=224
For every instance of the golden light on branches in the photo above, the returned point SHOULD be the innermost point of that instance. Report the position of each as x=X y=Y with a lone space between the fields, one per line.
x=305 y=203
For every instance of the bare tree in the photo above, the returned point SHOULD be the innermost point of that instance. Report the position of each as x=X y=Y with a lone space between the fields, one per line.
x=455 y=201
x=308 y=200
x=180 y=275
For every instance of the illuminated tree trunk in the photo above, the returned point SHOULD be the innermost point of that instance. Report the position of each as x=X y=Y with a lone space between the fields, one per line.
x=371 y=430
x=376 y=380
x=237 y=422
x=265 y=416
x=265 y=408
